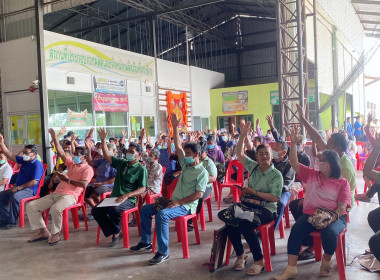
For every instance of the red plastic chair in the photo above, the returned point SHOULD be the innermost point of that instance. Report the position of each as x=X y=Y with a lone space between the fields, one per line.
x=182 y=234
x=268 y=244
x=124 y=224
x=229 y=183
x=74 y=214
x=202 y=213
x=149 y=198
x=359 y=159
x=216 y=186
x=340 y=252
x=21 y=215
x=170 y=188
x=7 y=184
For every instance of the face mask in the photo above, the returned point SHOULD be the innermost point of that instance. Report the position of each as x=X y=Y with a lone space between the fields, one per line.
x=2 y=161
x=77 y=160
x=100 y=152
x=130 y=157
x=275 y=154
x=269 y=135
x=299 y=148
x=150 y=160
x=173 y=146
x=224 y=138
x=189 y=160
x=159 y=147
x=164 y=146
x=324 y=167
x=25 y=157
x=210 y=147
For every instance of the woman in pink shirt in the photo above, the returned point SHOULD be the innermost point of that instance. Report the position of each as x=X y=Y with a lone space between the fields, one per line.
x=325 y=188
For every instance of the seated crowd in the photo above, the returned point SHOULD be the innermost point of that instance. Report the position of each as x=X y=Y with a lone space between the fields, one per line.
x=276 y=173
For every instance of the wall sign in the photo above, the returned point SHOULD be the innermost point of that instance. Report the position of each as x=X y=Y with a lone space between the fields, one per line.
x=234 y=102
x=77 y=118
x=274 y=99
x=110 y=102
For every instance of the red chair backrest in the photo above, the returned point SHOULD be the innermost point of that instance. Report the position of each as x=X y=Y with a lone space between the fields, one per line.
x=361 y=144
x=7 y=184
x=230 y=171
x=54 y=160
x=172 y=187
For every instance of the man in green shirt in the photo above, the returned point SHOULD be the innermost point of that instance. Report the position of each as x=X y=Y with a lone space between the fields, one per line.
x=191 y=186
x=130 y=181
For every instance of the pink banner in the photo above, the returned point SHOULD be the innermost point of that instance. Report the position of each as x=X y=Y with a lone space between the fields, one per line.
x=110 y=102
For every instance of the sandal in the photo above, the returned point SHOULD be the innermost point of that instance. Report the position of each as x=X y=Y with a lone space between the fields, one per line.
x=240 y=263
x=255 y=269
x=306 y=255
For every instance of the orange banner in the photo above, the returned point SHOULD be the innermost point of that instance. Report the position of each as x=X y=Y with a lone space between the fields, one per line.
x=177 y=104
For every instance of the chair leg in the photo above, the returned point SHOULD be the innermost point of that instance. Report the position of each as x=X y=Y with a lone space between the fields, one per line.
x=65 y=224
x=196 y=230
x=340 y=259
x=215 y=185
x=272 y=241
x=74 y=215
x=85 y=217
x=317 y=248
x=178 y=229
x=98 y=236
x=125 y=229
x=209 y=208
x=154 y=238
x=281 y=228
x=21 y=214
x=219 y=195
x=46 y=217
x=265 y=243
x=202 y=217
x=185 y=239
x=286 y=214
x=137 y=218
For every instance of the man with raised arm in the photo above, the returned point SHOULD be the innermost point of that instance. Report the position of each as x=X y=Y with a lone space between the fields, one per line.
x=66 y=194
x=26 y=184
x=191 y=185
x=130 y=181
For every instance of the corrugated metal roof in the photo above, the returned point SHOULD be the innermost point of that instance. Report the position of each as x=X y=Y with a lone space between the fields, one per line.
x=369 y=14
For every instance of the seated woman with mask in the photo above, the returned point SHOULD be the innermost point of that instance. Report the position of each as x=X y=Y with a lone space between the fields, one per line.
x=325 y=188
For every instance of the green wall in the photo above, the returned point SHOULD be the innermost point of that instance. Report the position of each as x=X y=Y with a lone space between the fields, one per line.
x=326 y=115
x=258 y=102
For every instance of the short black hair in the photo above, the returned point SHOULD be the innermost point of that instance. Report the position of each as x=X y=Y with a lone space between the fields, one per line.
x=67 y=142
x=211 y=138
x=348 y=118
x=70 y=133
x=259 y=138
x=357 y=117
x=32 y=147
x=111 y=139
x=137 y=147
x=262 y=146
x=339 y=140
x=83 y=151
x=283 y=144
x=333 y=159
x=193 y=146
x=204 y=149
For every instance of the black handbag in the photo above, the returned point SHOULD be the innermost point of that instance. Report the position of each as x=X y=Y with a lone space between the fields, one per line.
x=161 y=203
x=251 y=200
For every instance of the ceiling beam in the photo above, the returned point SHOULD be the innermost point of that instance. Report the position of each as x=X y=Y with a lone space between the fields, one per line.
x=365 y=21
x=369 y=2
x=367 y=13
x=147 y=15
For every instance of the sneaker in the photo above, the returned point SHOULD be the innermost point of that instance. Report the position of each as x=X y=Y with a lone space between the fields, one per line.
x=132 y=223
x=362 y=197
x=8 y=226
x=158 y=258
x=90 y=217
x=190 y=226
x=141 y=247
x=116 y=240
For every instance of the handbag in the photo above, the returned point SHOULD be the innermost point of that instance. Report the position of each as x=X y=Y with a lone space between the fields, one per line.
x=251 y=200
x=229 y=215
x=161 y=203
x=218 y=250
x=322 y=217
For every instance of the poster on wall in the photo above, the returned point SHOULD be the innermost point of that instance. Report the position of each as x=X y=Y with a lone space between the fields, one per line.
x=110 y=102
x=104 y=84
x=233 y=102
x=77 y=118
x=177 y=104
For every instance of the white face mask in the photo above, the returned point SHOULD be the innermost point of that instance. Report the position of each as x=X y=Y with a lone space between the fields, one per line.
x=275 y=154
x=25 y=157
x=100 y=152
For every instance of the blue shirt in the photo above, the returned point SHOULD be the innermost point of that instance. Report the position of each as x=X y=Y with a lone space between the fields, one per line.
x=105 y=171
x=350 y=130
x=358 y=126
x=30 y=170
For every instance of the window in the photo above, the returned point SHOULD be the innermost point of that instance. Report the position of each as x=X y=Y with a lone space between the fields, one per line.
x=136 y=125
x=205 y=122
x=226 y=122
x=149 y=126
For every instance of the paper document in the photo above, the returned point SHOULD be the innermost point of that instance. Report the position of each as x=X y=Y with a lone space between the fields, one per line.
x=109 y=201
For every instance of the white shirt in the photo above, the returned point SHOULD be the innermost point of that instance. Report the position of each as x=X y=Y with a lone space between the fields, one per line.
x=5 y=172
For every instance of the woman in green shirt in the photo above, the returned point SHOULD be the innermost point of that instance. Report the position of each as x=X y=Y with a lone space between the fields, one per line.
x=265 y=182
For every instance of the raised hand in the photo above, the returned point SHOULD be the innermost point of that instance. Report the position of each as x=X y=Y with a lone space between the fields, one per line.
x=52 y=133
x=294 y=134
x=102 y=133
x=142 y=133
x=301 y=113
x=244 y=127
x=175 y=120
x=63 y=130
x=369 y=118
x=123 y=133
x=257 y=122
x=88 y=145
x=269 y=119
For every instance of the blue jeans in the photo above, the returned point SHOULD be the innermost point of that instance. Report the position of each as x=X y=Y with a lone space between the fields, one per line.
x=10 y=205
x=302 y=228
x=281 y=204
x=162 y=225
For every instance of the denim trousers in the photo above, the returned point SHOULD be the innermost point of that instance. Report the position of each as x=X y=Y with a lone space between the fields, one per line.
x=162 y=224
x=303 y=228
x=10 y=205
x=281 y=205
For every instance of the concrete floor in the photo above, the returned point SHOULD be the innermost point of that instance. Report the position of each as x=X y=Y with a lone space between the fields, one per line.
x=80 y=258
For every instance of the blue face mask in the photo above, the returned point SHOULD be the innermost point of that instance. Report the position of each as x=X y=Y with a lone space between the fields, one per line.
x=77 y=160
x=299 y=148
x=189 y=160
x=224 y=138
x=159 y=147
x=130 y=157
x=210 y=147
x=173 y=146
